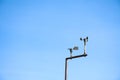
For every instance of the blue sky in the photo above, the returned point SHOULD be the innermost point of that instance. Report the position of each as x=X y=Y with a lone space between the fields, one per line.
x=35 y=35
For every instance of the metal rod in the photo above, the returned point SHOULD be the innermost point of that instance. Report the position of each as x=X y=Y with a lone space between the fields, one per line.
x=66 y=69
x=84 y=48
x=83 y=55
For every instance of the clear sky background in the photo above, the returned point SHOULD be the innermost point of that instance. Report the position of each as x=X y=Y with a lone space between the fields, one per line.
x=35 y=35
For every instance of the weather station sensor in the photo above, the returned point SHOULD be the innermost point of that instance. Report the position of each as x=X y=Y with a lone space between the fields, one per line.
x=71 y=50
x=85 y=40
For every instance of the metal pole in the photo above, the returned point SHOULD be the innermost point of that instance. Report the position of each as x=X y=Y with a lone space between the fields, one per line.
x=66 y=69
